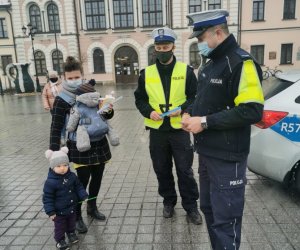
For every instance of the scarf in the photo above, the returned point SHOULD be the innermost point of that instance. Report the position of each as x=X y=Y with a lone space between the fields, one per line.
x=54 y=90
x=69 y=89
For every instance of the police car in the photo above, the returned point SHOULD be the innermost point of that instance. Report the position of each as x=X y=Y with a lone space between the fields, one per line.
x=275 y=140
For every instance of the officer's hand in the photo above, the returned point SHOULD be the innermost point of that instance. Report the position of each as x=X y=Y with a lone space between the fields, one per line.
x=155 y=116
x=184 y=121
x=192 y=124
x=185 y=116
x=177 y=113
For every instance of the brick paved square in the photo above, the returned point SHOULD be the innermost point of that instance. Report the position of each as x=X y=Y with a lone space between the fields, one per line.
x=129 y=193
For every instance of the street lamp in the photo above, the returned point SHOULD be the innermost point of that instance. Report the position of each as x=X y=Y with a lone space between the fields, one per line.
x=30 y=32
x=55 y=38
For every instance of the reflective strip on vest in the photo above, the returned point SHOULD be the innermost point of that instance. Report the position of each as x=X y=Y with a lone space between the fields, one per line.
x=155 y=91
x=249 y=87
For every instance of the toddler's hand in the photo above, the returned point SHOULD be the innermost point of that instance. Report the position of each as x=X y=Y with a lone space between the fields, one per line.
x=52 y=217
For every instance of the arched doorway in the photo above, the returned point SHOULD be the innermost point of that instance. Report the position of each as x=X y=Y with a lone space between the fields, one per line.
x=126 y=65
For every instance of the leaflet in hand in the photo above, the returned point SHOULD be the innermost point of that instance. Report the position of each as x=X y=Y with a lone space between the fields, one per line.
x=106 y=102
x=170 y=112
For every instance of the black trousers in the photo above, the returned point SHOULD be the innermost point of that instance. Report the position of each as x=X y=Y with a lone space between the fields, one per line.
x=164 y=148
x=222 y=197
x=64 y=224
x=95 y=174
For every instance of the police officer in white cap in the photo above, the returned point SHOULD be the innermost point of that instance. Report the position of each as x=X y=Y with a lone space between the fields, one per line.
x=228 y=101
x=165 y=89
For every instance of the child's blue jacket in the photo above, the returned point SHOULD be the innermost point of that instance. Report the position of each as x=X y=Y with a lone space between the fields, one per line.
x=62 y=193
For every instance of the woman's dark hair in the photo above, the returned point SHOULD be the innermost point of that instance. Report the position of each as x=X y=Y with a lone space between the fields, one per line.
x=71 y=64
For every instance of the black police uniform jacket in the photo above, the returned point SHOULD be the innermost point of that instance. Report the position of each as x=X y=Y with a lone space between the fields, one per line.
x=228 y=133
x=62 y=193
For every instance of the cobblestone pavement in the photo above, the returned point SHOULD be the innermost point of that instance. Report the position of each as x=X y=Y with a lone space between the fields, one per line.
x=128 y=196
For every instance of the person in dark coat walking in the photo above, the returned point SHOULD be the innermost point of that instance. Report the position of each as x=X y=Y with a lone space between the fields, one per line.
x=163 y=86
x=90 y=164
x=62 y=192
x=229 y=99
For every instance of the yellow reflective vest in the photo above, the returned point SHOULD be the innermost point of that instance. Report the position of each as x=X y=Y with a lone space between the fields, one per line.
x=155 y=91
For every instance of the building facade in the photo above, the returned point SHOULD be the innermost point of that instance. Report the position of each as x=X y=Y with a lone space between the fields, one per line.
x=113 y=37
x=7 y=49
x=270 y=31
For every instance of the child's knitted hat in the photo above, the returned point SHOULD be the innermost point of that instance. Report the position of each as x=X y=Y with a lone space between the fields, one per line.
x=85 y=88
x=57 y=158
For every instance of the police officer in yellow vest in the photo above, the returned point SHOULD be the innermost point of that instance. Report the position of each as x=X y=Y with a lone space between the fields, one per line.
x=229 y=100
x=163 y=87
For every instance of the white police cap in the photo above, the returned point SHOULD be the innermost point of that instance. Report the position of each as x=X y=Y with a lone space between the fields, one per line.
x=205 y=19
x=164 y=34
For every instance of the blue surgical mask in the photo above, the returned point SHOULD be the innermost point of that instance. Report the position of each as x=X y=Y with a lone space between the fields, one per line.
x=76 y=82
x=204 y=49
x=72 y=85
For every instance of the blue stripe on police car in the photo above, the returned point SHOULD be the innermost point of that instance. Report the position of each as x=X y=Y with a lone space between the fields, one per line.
x=289 y=127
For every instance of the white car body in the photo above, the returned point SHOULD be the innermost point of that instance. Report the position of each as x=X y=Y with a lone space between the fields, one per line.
x=275 y=150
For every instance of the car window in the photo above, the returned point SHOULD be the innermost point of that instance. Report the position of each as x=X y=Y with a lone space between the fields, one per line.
x=274 y=86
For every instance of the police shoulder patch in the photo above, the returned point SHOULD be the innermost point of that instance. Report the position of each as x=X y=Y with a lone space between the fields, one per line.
x=243 y=54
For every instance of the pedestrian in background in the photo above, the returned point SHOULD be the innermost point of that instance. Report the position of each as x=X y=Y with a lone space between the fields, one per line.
x=229 y=99
x=163 y=86
x=90 y=164
x=62 y=191
x=51 y=90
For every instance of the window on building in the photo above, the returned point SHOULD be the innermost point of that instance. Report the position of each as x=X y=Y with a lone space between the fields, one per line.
x=194 y=6
x=258 y=10
x=214 y=4
x=95 y=14
x=286 y=53
x=195 y=58
x=152 y=13
x=123 y=13
x=257 y=51
x=289 y=9
x=53 y=18
x=40 y=61
x=98 y=57
x=151 y=55
x=57 y=61
x=5 y=60
x=3 y=28
x=35 y=17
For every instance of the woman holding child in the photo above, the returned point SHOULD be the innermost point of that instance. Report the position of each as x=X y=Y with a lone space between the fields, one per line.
x=90 y=164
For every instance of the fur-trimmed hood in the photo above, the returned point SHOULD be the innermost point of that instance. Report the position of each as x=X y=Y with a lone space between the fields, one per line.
x=89 y=99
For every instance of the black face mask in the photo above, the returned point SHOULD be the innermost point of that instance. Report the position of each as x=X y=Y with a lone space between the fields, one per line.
x=53 y=79
x=164 y=56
